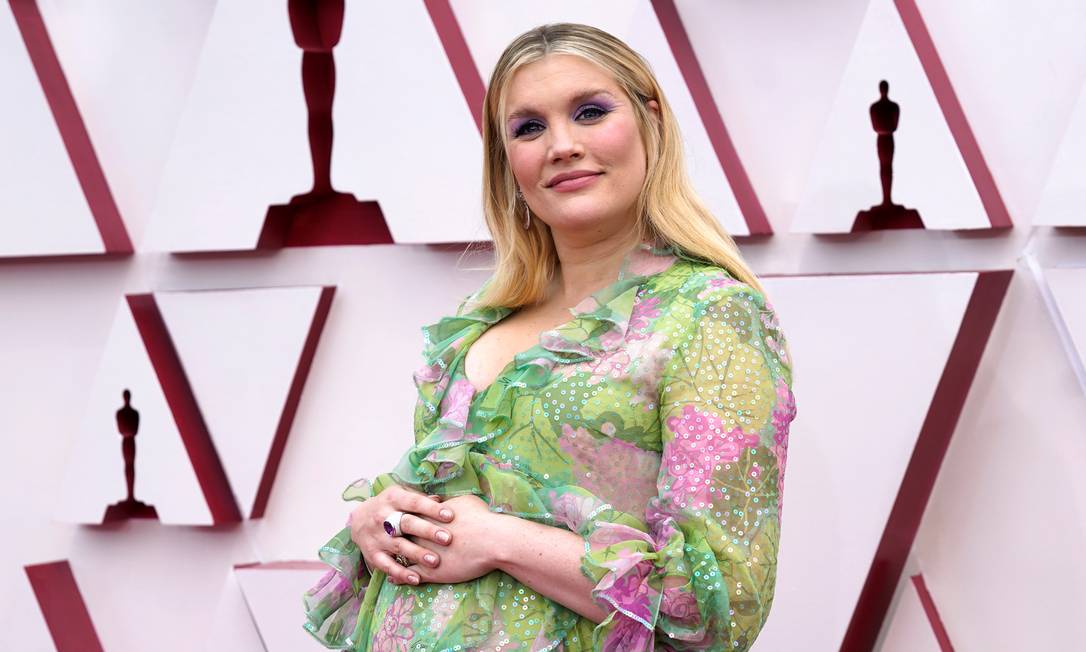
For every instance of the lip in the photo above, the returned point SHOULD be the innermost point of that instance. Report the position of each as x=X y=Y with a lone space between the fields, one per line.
x=576 y=180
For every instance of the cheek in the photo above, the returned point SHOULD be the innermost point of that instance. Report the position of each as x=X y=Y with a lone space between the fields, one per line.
x=617 y=143
x=525 y=162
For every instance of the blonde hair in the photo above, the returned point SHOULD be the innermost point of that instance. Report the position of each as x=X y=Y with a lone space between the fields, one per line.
x=667 y=208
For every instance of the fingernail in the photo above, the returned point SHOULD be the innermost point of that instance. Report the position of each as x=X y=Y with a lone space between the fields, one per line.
x=413 y=579
x=446 y=514
x=443 y=536
x=430 y=559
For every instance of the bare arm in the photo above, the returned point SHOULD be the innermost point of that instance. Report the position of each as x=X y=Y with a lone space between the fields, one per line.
x=547 y=560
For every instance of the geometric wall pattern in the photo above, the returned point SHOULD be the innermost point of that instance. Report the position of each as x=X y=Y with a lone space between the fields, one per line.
x=849 y=536
x=210 y=431
x=926 y=136
x=916 y=625
x=941 y=373
x=55 y=199
x=1065 y=192
x=271 y=593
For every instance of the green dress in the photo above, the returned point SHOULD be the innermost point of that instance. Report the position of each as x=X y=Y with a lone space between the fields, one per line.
x=654 y=424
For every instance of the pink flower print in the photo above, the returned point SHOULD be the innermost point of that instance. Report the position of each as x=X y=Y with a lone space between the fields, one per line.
x=613 y=469
x=572 y=510
x=627 y=635
x=646 y=376
x=428 y=373
x=769 y=318
x=611 y=339
x=630 y=591
x=783 y=414
x=681 y=606
x=493 y=461
x=698 y=447
x=396 y=630
x=714 y=283
x=457 y=401
x=608 y=428
x=777 y=349
x=643 y=311
x=611 y=365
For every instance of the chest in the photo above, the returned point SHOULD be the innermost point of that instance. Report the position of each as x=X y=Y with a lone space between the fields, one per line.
x=496 y=347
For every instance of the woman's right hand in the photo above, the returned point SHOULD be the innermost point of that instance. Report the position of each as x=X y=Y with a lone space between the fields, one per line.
x=378 y=548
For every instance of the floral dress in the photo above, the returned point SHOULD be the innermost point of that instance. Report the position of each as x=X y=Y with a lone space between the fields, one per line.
x=654 y=424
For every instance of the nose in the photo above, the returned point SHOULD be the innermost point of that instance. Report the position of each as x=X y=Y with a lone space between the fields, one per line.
x=564 y=144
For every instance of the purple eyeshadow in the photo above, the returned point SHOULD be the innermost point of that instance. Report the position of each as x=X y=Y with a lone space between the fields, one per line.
x=598 y=101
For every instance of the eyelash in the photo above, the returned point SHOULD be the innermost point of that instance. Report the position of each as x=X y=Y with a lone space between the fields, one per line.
x=521 y=129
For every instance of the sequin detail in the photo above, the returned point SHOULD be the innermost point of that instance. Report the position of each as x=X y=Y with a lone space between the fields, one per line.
x=654 y=424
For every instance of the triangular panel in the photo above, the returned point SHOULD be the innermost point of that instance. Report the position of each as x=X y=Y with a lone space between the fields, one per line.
x=932 y=140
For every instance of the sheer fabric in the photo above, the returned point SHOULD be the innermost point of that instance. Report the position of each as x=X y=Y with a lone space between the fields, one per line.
x=654 y=424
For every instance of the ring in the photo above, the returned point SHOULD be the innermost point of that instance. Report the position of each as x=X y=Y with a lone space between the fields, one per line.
x=401 y=560
x=392 y=524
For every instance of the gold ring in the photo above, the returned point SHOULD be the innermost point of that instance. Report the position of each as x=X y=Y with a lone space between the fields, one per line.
x=401 y=560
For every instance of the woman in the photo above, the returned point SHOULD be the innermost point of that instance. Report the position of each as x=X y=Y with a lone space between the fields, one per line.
x=610 y=481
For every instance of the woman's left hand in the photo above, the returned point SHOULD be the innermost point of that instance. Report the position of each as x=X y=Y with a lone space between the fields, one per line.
x=471 y=553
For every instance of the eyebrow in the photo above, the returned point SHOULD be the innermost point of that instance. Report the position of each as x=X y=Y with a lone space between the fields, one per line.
x=527 y=110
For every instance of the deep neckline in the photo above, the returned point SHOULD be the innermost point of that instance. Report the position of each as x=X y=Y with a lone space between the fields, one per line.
x=576 y=314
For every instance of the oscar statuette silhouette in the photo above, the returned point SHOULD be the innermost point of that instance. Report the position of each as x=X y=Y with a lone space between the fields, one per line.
x=323 y=215
x=128 y=424
x=885 y=114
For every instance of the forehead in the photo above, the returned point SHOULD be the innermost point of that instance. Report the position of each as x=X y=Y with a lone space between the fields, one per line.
x=554 y=79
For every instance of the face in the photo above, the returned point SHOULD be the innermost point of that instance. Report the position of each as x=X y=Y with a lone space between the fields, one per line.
x=565 y=114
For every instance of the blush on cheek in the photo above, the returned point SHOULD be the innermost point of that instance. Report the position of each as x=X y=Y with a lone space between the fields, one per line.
x=526 y=161
x=614 y=142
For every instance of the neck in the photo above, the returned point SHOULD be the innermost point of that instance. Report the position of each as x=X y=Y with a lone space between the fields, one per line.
x=587 y=266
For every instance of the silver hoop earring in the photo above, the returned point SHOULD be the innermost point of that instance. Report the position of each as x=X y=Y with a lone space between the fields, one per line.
x=527 y=214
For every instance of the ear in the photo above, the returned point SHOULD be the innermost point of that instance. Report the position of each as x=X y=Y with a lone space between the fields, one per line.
x=654 y=107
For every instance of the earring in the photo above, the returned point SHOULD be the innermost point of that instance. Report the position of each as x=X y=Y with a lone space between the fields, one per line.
x=527 y=214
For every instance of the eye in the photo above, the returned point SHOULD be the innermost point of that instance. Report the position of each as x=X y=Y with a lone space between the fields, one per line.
x=593 y=109
x=523 y=129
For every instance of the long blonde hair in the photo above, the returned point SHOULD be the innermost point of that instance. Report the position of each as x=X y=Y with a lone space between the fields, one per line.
x=667 y=208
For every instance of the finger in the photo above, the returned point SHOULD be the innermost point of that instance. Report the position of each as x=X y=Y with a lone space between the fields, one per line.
x=395 y=571
x=419 y=571
x=415 y=552
x=420 y=504
x=421 y=527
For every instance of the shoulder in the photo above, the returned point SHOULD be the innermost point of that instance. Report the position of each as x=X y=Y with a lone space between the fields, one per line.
x=699 y=287
x=709 y=299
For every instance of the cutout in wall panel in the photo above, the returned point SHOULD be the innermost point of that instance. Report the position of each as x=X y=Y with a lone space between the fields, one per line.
x=878 y=154
x=248 y=168
x=202 y=370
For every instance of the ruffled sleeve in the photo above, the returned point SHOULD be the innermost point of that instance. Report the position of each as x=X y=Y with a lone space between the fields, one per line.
x=339 y=606
x=701 y=574
x=333 y=604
